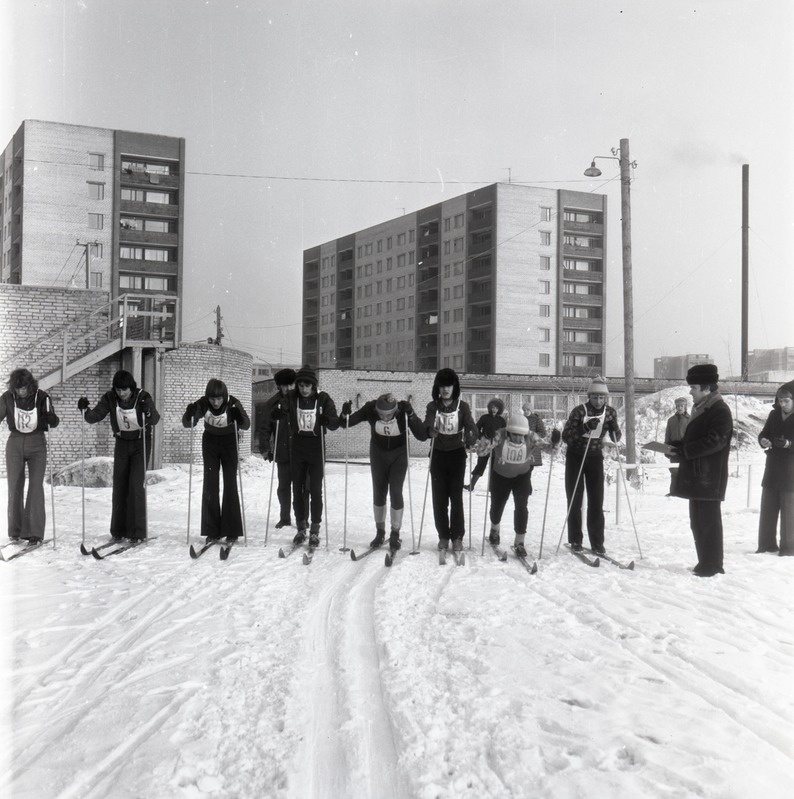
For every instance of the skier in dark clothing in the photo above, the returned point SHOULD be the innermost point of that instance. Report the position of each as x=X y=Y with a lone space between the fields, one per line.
x=448 y=421
x=585 y=435
x=29 y=414
x=132 y=416
x=388 y=457
x=277 y=450
x=223 y=416
x=487 y=425
x=703 y=468
x=310 y=414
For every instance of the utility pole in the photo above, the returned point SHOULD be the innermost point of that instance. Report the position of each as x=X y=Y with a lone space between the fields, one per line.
x=745 y=266
x=218 y=326
x=628 y=297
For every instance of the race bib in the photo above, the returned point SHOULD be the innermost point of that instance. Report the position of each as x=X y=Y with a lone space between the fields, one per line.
x=388 y=429
x=514 y=453
x=599 y=430
x=26 y=421
x=128 y=420
x=447 y=423
x=306 y=419
x=216 y=421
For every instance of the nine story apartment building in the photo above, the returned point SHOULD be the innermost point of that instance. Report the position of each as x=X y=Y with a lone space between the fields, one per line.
x=89 y=207
x=507 y=278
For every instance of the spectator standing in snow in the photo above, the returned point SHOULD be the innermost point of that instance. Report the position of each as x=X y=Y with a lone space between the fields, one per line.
x=703 y=468
x=29 y=414
x=223 y=415
x=487 y=425
x=584 y=434
x=278 y=450
x=777 y=496
x=388 y=457
x=674 y=435
x=537 y=427
x=448 y=421
x=511 y=473
x=132 y=416
x=311 y=413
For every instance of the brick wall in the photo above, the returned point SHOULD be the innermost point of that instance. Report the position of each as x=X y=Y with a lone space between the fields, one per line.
x=186 y=371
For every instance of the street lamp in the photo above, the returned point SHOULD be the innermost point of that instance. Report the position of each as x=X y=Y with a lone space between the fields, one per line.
x=621 y=155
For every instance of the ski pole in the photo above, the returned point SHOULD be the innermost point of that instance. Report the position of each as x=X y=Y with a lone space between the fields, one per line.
x=471 y=490
x=487 y=499
x=573 y=495
x=408 y=476
x=82 y=469
x=344 y=547
x=145 y=503
x=424 y=501
x=52 y=484
x=190 y=479
x=325 y=496
x=240 y=473
x=546 y=503
x=270 y=493
x=628 y=502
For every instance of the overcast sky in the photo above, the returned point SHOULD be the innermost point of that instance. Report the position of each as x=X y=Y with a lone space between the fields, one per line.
x=305 y=121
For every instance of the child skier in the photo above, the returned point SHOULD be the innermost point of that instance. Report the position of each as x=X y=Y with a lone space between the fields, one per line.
x=487 y=425
x=223 y=416
x=311 y=413
x=388 y=456
x=29 y=414
x=132 y=417
x=448 y=421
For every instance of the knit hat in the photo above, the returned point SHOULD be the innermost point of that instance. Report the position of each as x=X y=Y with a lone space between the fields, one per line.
x=598 y=386
x=386 y=403
x=284 y=377
x=518 y=424
x=306 y=375
x=685 y=400
x=702 y=374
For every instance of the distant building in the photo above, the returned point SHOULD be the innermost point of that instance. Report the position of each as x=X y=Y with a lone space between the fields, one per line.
x=775 y=365
x=506 y=278
x=87 y=207
x=675 y=367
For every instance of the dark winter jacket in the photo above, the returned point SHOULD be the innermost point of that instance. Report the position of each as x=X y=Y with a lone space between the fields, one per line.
x=674 y=432
x=706 y=448
x=307 y=415
x=140 y=400
x=537 y=427
x=220 y=422
x=267 y=431
x=575 y=434
x=452 y=426
x=389 y=435
x=11 y=405
x=779 y=470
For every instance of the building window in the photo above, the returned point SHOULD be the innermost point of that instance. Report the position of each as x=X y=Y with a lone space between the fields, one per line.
x=582 y=216
x=159 y=197
x=544 y=334
x=133 y=195
x=545 y=238
x=457 y=292
x=447 y=224
x=545 y=214
x=544 y=310
x=588 y=242
x=458 y=245
x=96 y=251
x=96 y=191
x=544 y=359
x=545 y=286
x=458 y=220
x=457 y=314
x=545 y=263
x=400 y=239
x=95 y=221
x=447 y=247
x=96 y=280
x=96 y=161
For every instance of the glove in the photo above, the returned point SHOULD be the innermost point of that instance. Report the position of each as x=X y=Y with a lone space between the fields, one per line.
x=82 y=403
x=405 y=407
x=556 y=436
x=191 y=409
x=347 y=408
x=432 y=432
x=268 y=456
x=591 y=424
x=675 y=451
x=780 y=443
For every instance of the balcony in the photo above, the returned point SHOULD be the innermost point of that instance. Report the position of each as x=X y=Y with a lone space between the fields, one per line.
x=134 y=208
x=480 y=267
x=143 y=237
x=585 y=252
x=480 y=219
x=582 y=276
x=135 y=179
x=480 y=243
x=593 y=228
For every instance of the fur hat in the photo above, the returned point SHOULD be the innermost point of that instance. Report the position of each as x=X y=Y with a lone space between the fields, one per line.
x=518 y=424
x=598 y=386
x=124 y=379
x=500 y=406
x=386 y=403
x=702 y=374
x=284 y=377
x=446 y=377
x=306 y=375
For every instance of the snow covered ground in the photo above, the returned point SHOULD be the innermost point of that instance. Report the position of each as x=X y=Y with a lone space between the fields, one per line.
x=152 y=675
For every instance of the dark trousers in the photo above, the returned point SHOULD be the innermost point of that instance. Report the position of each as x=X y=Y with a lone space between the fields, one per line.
x=220 y=456
x=520 y=487
x=306 y=459
x=284 y=490
x=776 y=503
x=447 y=472
x=128 y=516
x=388 y=467
x=479 y=467
x=705 y=519
x=591 y=480
x=26 y=516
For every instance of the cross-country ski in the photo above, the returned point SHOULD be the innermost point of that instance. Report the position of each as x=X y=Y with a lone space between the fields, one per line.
x=578 y=553
x=609 y=559
x=195 y=554
x=25 y=548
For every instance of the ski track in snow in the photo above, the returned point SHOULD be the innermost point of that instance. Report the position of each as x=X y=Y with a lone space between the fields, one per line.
x=153 y=675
